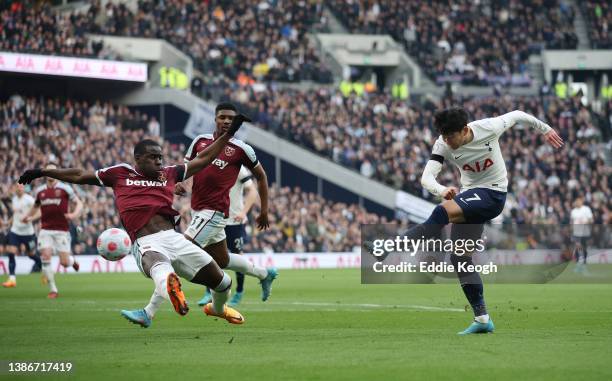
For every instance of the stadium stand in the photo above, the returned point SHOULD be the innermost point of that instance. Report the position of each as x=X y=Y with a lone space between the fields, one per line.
x=599 y=16
x=390 y=140
x=453 y=42
x=97 y=134
x=40 y=30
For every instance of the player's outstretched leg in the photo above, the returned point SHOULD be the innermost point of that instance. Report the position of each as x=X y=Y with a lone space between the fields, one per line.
x=239 y=263
x=266 y=283
x=139 y=317
x=217 y=307
x=431 y=227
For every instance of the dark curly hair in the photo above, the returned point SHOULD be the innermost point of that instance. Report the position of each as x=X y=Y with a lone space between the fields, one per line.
x=450 y=120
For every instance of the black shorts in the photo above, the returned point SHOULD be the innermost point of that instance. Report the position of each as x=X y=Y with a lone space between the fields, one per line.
x=235 y=236
x=29 y=241
x=480 y=205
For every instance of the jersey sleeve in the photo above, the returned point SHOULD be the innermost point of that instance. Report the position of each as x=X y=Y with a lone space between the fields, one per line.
x=69 y=191
x=107 y=176
x=439 y=152
x=192 y=150
x=177 y=172
x=502 y=123
x=249 y=159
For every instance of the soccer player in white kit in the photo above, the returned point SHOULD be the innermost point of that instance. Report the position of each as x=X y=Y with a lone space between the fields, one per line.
x=21 y=236
x=581 y=217
x=474 y=149
x=242 y=197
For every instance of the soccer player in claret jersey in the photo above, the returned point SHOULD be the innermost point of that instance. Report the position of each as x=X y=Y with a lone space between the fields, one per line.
x=474 y=149
x=210 y=199
x=21 y=238
x=51 y=206
x=144 y=195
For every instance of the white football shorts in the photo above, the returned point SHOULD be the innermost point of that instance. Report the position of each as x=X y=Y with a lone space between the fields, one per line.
x=206 y=227
x=186 y=257
x=57 y=240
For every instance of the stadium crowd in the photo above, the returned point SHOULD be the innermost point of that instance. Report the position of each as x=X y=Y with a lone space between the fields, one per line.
x=28 y=29
x=245 y=40
x=96 y=134
x=390 y=141
x=474 y=42
x=599 y=18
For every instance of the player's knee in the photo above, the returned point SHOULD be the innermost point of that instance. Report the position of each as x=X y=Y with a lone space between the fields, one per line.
x=150 y=259
x=45 y=254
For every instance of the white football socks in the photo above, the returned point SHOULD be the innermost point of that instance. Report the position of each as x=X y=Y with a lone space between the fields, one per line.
x=482 y=319
x=220 y=297
x=240 y=264
x=159 y=274
x=49 y=273
x=154 y=304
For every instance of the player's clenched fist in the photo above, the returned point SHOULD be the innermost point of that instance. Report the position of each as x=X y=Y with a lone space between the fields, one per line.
x=450 y=193
x=237 y=122
x=29 y=175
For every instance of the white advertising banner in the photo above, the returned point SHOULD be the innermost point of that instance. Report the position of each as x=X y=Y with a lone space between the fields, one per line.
x=97 y=264
x=73 y=67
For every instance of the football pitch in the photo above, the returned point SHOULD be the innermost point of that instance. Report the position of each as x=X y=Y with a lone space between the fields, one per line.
x=318 y=325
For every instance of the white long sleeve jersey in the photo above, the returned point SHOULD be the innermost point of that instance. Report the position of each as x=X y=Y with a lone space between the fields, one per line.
x=480 y=161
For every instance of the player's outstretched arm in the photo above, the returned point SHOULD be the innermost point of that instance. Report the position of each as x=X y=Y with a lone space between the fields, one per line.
x=502 y=123
x=262 y=189
x=69 y=175
x=207 y=156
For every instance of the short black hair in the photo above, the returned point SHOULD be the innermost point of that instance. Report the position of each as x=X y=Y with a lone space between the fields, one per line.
x=225 y=106
x=450 y=120
x=141 y=147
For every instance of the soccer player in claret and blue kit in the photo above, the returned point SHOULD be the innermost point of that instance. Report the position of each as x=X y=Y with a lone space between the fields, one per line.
x=144 y=196
x=473 y=148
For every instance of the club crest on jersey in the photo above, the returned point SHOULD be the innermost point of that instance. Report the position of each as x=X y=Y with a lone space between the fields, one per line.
x=229 y=151
x=162 y=177
x=477 y=167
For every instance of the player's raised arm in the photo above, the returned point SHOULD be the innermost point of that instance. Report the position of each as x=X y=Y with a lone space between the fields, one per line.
x=209 y=154
x=69 y=175
x=262 y=189
x=504 y=122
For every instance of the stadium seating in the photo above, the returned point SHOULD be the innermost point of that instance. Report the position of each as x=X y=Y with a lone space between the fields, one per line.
x=28 y=29
x=390 y=141
x=599 y=16
x=98 y=134
x=453 y=42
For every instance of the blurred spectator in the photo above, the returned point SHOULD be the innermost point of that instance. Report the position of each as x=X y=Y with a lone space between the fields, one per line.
x=473 y=42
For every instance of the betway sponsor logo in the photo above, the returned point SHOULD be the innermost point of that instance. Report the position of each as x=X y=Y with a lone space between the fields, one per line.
x=51 y=201
x=146 y=183
x=220 y=163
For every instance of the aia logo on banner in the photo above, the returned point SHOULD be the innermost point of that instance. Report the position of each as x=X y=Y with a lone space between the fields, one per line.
x=477 y=166
x=229 y=151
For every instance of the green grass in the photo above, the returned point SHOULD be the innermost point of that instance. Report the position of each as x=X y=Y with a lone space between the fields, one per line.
x=318 y=325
